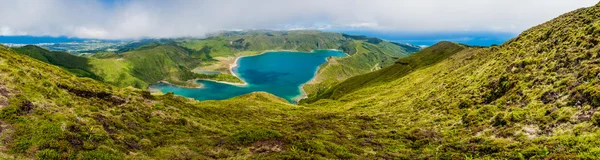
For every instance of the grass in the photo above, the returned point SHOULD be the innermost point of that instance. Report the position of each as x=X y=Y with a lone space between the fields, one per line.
x=364 y=57
x=533 y=97
x=404 y=66
x=116 y=72
x=77 y=65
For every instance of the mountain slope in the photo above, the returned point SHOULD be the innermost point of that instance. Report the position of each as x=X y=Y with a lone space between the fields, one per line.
x=404 y=66
x=534 y=97
x=77 y=65
x=364 y=56
x=48 y=113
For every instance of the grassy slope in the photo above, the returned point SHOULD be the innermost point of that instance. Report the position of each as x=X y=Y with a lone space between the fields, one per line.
x=151 y=63
x=48 y=113
x=404 y=66
x=161 y=62
x=77 y=65
x=364 y=57
x=533 y=97
x=137 y=68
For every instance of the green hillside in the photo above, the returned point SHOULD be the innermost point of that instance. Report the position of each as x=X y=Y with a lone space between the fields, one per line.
x=77 y=65
x=401 y=67
x=534 y=97
x=50 y=114
x=231 y=43
x=365 y=56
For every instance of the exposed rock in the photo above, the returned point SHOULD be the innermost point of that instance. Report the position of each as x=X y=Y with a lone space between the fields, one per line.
x=4 y=96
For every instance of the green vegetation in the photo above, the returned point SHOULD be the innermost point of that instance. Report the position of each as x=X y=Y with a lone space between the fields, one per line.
x=174 y=60
x=534 y=97
x=104 y=55
x=75 y=64
x=155 y=62
x=404 y=66
x=366 y=54
x=230 y=43
x=220 y=77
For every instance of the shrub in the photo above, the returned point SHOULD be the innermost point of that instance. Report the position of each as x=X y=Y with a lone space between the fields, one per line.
x=47 y=154
x=498 y=120
x=596 y=119
x=248 y=136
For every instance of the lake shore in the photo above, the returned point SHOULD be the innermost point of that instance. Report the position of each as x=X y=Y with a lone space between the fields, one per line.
x=235 y=63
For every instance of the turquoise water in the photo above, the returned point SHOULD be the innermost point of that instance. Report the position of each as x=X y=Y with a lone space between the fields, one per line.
x=280 y=73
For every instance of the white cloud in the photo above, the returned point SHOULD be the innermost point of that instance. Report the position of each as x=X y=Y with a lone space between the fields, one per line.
x=175 y=18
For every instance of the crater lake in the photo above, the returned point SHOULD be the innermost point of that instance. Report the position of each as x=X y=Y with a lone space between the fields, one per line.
x=281 y=73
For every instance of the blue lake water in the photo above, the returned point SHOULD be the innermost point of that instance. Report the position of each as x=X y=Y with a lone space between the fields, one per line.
x=280 y=73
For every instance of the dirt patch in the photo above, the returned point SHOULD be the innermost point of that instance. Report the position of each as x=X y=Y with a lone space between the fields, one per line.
x=583 y=116
x=3 y=101
x=4 y=96
x=106 y=123
x=530 y=131
x=268 y=146
x=4 y=91
x=116 y=100
x=26 y=107
x=549 y=97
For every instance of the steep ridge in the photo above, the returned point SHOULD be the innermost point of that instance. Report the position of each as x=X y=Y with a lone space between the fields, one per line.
x=401 y=67
x=77 y=65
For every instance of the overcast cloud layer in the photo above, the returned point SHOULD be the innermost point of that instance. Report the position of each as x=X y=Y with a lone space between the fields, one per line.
x=177 y=18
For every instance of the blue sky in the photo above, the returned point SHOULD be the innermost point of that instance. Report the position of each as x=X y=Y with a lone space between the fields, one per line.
x=416 y=21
